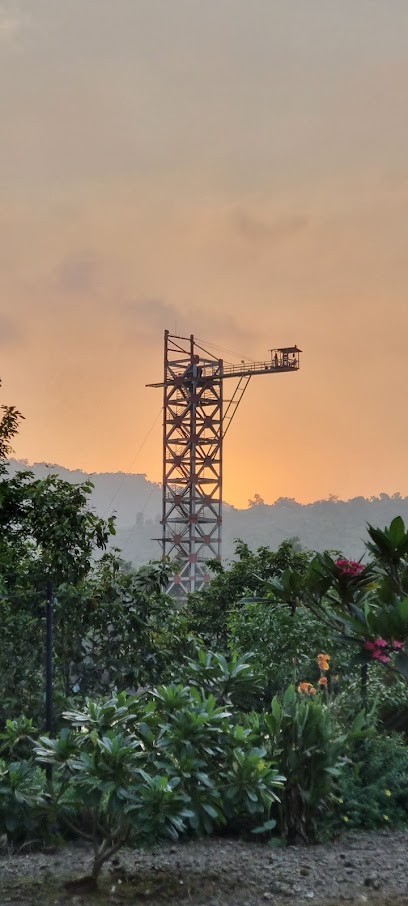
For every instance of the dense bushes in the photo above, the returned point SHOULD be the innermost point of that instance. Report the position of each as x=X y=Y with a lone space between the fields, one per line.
x=186 y=720
x=137 y=769
x=175 y=761
x=283 y=644
x=373 y=788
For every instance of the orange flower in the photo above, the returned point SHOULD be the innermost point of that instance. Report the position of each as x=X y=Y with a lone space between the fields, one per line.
x=323 y=661
x=306 y=688
x=323 y=681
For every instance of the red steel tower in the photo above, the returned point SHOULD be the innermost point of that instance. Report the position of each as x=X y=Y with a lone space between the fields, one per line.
x=195 y=421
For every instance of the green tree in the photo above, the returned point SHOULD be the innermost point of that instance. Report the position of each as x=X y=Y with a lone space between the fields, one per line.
x=9 y=423
x=208 y=610
x=48 y=536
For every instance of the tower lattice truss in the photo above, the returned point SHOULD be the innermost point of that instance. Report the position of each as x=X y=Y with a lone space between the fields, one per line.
x=194 y=425
x=192 y=492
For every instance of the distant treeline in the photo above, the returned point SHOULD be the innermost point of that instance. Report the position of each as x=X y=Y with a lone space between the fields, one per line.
x=324 y=525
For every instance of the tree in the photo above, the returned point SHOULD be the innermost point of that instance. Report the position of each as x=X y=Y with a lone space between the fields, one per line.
x=209 y=609
x=48 y=536
x=257 y=501
x=8 y=429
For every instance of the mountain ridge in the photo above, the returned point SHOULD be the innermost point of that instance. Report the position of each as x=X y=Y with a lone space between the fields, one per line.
x=135 y=501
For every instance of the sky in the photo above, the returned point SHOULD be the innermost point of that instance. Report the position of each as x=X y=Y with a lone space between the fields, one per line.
x=236 y=169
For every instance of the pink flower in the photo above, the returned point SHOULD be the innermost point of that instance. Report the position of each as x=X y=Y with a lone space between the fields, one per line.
x=397 y=646
x=369 y=646
x=349 y=567
x=381 y=643
x=382 y=658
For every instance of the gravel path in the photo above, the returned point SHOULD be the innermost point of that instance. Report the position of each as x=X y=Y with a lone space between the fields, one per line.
x=360 y=868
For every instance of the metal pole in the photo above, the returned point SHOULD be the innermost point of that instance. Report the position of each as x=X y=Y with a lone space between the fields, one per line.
x=49 y=716
x=193 y=468
x=164 y=487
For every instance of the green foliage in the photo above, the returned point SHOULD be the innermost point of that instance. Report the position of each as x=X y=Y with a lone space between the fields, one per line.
x=22 y=784
x=48 y=534
x=22 y=800
x=390 y=550
x=283 y=643
x=51 y=526
x=390 y=702
x=373 y=788
x=233 y=680
x=21 y=659
x=209 y=609
x=9 y=423
x=113 y=628
x=178 y=758
x=360 y=604
x=128 y=770
x=311 y=752
x=110 y=629
x=17 y=737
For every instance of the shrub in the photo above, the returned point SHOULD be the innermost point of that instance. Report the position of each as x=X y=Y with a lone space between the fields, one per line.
x=22 y=800
x=208 y=610
x=283 y=643
x=310 y=752
x=373 y=788
x=235 y=680
x=22 y=784
x=138 y=770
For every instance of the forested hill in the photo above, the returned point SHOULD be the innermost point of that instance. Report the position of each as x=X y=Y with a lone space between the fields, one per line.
x=114 y=492
x=326 y=524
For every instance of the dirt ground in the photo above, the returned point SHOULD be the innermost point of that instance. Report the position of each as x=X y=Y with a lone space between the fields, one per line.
x=359 y=868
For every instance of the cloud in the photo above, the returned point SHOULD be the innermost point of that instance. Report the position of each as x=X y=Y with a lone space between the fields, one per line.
x=11 y=25
x=76 y=273
x=154 y=314
x=10 y=334
x=150 y=317
x=257 y=229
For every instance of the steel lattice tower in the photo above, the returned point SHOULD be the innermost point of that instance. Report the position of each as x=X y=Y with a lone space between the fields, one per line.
x=194 y=425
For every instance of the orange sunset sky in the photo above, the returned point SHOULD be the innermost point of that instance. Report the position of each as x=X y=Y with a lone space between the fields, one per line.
x=237 y=169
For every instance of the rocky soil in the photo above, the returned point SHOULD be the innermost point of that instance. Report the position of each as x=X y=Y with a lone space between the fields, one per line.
x=360 y=868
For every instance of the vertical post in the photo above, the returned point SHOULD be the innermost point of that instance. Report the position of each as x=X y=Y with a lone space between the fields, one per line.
x=193 y=469
x=164 y=485
x=364 y=689
x=221 y=465
x=49 y=717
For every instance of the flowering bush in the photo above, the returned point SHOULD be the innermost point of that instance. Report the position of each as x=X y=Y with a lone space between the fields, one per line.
x=323 y=662
x=312 y=753
x=380 y=650
x=349 y=567
x=306 y=689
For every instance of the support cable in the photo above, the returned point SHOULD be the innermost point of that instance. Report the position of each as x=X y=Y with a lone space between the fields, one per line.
x=128 y=472
x=238 y=355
